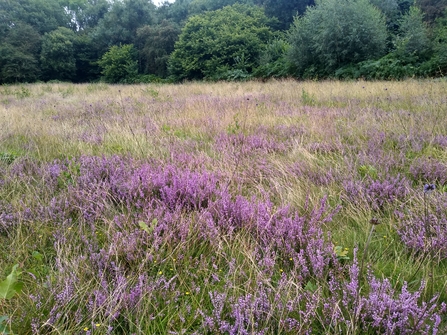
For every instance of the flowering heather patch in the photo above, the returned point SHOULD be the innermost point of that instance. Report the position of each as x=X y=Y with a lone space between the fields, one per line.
x=429 y=170
x=378 y=193
x=382 y=309
x=228 y=208
x=426 y=231
x=248 y=144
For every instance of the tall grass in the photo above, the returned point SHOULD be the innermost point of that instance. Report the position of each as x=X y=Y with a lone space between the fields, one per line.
x=224 y=208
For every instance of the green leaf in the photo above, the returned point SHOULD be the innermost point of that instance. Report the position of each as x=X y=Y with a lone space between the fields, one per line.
x=146 y=228
x=37 y=255
x=311 y=287
x=341 y=253
x=3 y=328
x=143 y=226
x=11 y=286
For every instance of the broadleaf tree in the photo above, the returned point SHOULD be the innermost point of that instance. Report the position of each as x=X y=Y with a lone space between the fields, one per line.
x=211 y=45
x=120 y=24
x=119 y=64
x=57 y=55
x=335 y=33
x=286 y=10
x=42 y=15
x=413 y=34
x=19 y=53
x=155 y=44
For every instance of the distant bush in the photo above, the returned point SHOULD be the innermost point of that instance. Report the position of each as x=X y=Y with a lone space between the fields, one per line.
x=388 y=67
x=334 y=34
x=273 y=61
x=119 y=64
x=212 y=46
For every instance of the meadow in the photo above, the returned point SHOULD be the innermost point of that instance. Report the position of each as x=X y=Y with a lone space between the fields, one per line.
x=282 y=207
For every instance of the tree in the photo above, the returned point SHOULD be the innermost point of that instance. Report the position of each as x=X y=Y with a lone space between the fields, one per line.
x=440 y=46
x=155 y=44
x=432 y=9
x=200 y=6
x=335 y=33
x=120 y=24
x=86 y=56
x=413 y=34
x=19 y=54
x=286 y=10
x=404 y=6
x=119 y=64
x=176 y=12
x=17 y=66
x=85 y=14
x=390 y=8
x=273 y=61
x=211 y=45
x=43 y=15
x=57 y=55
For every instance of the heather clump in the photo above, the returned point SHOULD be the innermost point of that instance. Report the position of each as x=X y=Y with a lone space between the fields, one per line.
x=424 y=230
x=375 y=306
x=378 y=193
x=338 y=306
x=429 y=169
x=248 y=144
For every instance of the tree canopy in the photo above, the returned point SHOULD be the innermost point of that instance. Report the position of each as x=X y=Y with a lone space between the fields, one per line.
x=222 y=39
x=119 y=64
x=57 y=55
x=335 y=33
x=211 y=44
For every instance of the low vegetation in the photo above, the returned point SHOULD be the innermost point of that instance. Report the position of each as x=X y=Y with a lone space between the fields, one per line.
x=229 y=208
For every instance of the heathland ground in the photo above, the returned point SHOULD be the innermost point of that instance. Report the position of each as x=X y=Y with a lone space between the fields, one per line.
x=282 y=207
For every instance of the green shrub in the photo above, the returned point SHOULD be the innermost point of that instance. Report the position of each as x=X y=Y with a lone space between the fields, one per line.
x=119 y=64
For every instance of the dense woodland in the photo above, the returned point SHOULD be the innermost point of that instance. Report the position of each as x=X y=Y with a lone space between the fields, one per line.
x=131 y=41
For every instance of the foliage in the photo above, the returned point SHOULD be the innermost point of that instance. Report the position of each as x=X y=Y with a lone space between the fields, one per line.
x=17 y=66
x=386 y=68
x=119 y=64
x=57 y=55
x=155 y=44
x=433 y=9
x=119 y=25
x=336 y=33
x=412 y=57
x=43 y=15
x=413 y=35
x=438 y=63
x=176 y=12
x=273 y=62
x=211 y=44
x=390 y=8
x=11 y=286
x=18 y=54
x=86 y=14
x=201 y=6
x=404 y=5
x=331 y=36
x=286 y=10
x=86 y=56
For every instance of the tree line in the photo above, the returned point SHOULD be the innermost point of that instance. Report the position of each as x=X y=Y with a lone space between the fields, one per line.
x=130 y=41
